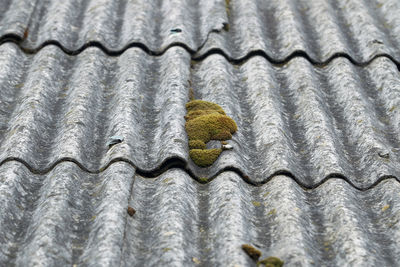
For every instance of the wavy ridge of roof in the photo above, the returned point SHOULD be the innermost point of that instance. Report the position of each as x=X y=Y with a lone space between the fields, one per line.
x=308 y=121
x=69 y=216
x=320 y=30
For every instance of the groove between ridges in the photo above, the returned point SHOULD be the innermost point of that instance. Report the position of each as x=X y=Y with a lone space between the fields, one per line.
x=178 y=163
x=12 y=38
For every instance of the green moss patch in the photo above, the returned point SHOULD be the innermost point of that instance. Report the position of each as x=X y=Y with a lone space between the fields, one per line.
x=210 y=127
x=203 y=180
x=251 y=251
x=202 y=105
x=270 y=262
x=197 y=144
x=206 y=121
x=204 y=157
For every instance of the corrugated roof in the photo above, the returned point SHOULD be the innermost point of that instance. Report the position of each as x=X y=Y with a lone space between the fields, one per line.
x=310 y=122
x=70 y=216
x=319 y=30
x=114 y=25
x=65 y=217
x=314 y=87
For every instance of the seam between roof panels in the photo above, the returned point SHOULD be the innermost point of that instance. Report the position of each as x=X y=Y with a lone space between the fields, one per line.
x=126 y=221
x=13 y=38
x=178 y=163
x=16 y=39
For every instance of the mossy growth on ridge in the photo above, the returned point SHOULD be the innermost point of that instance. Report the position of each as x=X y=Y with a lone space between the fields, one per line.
x=270 y=262
x=206 y=121
x=251 y=251
x=204 y=157
x=197 y=144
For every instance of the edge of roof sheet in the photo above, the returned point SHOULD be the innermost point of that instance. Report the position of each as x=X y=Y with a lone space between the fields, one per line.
x=92 y=210
x=204 y=27
x=190 y=169
x=180 y=160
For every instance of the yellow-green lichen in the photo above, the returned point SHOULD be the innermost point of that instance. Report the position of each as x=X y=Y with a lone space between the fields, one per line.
x=270 y=262
x=206 y=121
x=196 y=260
x=272 y=212
x=256 y=203
x=385 y=207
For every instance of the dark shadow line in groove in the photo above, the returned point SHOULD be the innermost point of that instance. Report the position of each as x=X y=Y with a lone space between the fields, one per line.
x=113 y=53
x=179 y=163
x=13 y=38
x=294 y=54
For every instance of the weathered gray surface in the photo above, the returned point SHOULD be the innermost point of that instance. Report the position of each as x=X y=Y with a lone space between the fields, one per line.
x=321 y=141
x=332 y=225
x=71 y=217
x=311 y=122
x=320 y=29
x=64 y=217
x=113 y=24
x=57 y=107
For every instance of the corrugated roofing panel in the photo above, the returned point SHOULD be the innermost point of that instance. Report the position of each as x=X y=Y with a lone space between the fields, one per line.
x=313 y=174
x=68 y=107
x=68 y=216
x=309 y=122
x=334 y=224
x=319 y=29
x=64 y=216
x=279 y=29
x=114 y=24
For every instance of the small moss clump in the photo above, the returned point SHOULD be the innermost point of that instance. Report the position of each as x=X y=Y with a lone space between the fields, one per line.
x=206 y=121
x=204 y=157
x=203 y=180
x=270 y=262
x=251 y=251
